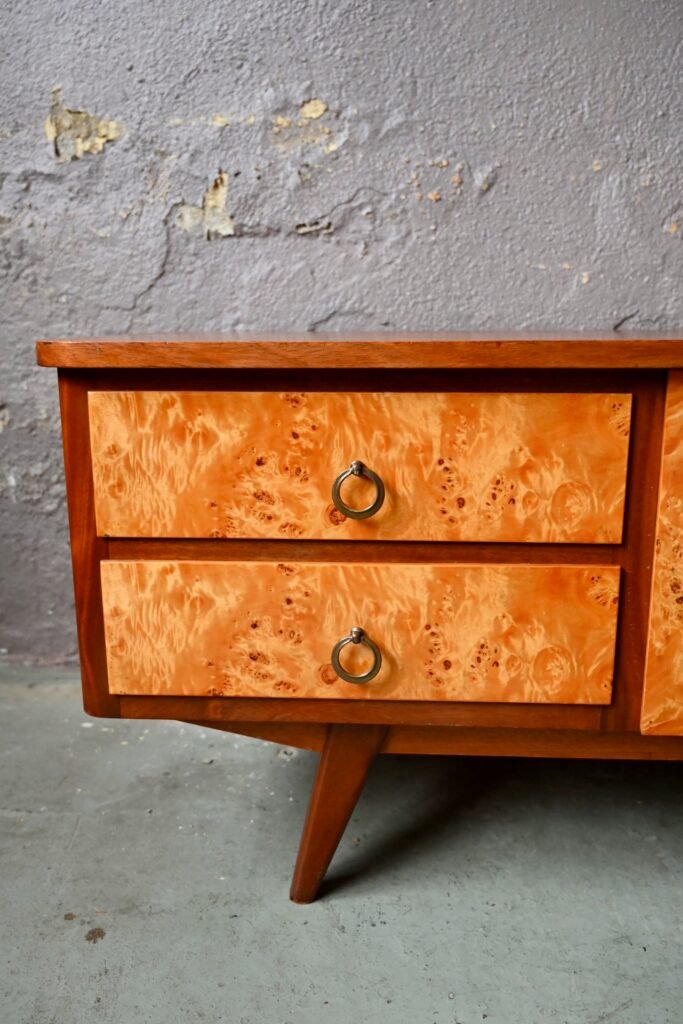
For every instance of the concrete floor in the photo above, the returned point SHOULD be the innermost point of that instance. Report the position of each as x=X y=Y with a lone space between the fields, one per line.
x=144 y=871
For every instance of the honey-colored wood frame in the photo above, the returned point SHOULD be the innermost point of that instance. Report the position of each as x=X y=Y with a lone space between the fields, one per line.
x=454 y=351
x=349 y=733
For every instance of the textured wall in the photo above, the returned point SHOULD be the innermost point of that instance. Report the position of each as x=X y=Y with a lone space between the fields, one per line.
x=344 y=164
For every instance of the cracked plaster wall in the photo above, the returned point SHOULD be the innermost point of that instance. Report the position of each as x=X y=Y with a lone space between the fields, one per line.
x=288 y=166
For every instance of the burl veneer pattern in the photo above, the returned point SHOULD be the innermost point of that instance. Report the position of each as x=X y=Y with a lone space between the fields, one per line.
x=470 y=632
x=663 y=690
x=469 y=467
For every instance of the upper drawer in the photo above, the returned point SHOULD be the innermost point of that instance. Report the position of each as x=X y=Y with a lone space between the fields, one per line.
x=459 y=467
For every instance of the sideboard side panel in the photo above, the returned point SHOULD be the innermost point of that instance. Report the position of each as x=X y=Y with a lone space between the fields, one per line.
x=87 y=549
x=662 y=711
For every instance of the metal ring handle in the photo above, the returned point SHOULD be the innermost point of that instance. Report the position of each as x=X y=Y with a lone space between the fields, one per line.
x=357 y=468
x=357 y=636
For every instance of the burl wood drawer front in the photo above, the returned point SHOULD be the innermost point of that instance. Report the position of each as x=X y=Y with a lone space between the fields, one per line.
x=467 y=467
x=517 y=633
x=663 y=691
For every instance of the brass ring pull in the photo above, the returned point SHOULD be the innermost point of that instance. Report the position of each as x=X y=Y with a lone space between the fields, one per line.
x=357 y=636
x=358 y=469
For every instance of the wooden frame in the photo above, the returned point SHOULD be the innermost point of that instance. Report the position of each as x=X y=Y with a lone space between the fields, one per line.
x=461 y=351
x=354 y=732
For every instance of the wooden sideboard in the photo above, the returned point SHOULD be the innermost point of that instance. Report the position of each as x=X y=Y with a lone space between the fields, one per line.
x=462 y=545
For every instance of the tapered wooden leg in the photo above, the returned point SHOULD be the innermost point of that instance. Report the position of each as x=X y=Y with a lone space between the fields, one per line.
x=344 y=763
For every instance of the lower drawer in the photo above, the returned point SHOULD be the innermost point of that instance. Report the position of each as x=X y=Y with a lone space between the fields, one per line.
x=515 y=633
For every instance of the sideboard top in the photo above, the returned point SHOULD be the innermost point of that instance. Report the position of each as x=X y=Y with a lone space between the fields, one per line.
x=457 y=351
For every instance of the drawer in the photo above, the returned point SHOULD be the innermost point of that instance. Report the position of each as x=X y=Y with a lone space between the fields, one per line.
x=468 y=632
x=455 y=467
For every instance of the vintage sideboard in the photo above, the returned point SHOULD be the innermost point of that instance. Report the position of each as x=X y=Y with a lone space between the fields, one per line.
x=462 y=545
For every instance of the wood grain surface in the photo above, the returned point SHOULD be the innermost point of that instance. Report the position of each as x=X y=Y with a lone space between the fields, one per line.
x=584 y=718
x=526 y=634
x=459 y=740
x=527 y=467
x=87 y=549
x=457 y=350
x=662 y=711
x=348 y=752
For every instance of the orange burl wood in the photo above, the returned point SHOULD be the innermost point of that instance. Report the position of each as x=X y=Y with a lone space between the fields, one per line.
x=522 y=633
x=662 y=711
x=469 y=467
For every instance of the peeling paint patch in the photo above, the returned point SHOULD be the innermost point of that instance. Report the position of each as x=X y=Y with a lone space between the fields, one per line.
x=288 y=135
x=211 y=217
x=311 y=110
x=435 y=189
x=73 y=133
x=313 y=227
x=216 y=220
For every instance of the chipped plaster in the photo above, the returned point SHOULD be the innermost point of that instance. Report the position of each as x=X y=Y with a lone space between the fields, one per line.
x=74 y=133
x=211 y=217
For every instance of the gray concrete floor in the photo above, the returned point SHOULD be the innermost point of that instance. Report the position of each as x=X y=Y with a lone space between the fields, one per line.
x=145 y=867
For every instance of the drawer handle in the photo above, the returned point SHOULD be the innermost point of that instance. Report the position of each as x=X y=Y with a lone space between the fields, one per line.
x=357 y=468
x=357 y=636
